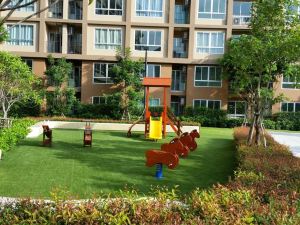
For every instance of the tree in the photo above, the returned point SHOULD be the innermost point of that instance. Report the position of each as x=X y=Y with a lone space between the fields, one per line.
x=62 y=98
x=17 y=82
x=256 y=60
x=10 y=6
x=126 y=76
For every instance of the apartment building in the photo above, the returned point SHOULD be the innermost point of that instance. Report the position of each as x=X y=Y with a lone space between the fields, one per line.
x=184 y=40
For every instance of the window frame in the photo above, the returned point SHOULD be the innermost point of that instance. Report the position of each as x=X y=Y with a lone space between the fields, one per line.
x=208 y=76
x=24 y=9
x=106 y=77
x=108 y=9
x=150 y=11
x=105 y=100
x=9 y=42
x=235 y=115
x=147 y=44
x=155 y=65
x=207 y=100
x=154 y=99
x=211 y=12
x=209 y=47
x=294 y=107
x=289 y=83
x=110 y=44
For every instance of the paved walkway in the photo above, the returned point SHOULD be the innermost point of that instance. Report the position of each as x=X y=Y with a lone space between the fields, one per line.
x=37 y=130
x=290 y=139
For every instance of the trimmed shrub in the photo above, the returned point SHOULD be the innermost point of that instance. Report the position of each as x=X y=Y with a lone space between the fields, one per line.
x=9 y=137
x=287 y=121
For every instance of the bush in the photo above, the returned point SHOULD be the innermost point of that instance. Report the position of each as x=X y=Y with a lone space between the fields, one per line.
x=9 y=137
x=103 y=111
x=24 y=109
x=287 y=121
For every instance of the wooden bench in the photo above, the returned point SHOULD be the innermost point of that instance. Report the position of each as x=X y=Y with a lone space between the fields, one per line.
x=87 y=135
x=47 y=135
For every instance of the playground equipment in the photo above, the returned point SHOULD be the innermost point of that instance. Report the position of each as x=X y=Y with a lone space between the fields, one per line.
x=159 y=157
x=47 y=135
x=175 y=147
x=87 y=135
x=188 y=139
x=170 y=152
x=153 y=129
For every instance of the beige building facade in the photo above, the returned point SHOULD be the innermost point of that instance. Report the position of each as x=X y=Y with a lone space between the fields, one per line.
x=184 y=40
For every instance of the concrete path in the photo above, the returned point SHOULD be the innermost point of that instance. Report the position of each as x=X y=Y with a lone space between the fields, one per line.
x=37 y=130
x=290 y=139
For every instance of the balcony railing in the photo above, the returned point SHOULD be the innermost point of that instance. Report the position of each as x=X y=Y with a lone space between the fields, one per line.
x=74 y=47
x=54 y=46
x=181 y=14
x=179 y=49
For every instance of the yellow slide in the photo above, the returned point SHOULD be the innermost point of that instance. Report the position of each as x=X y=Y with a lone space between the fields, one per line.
x=155 y=128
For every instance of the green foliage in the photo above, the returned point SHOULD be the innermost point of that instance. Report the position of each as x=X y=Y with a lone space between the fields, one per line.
x=126 y=75
x=9 y=137
x=103 y=111
x=259 y=58
x=26 y=108
x=287 y=121
x=17 y=82
x=3 y=34
x=61 y=100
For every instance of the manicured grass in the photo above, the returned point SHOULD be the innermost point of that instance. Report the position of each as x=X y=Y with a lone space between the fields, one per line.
x=113 y=163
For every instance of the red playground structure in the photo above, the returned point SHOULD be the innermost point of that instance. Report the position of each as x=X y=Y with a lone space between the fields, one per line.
x=167 y=117
x=170 y=153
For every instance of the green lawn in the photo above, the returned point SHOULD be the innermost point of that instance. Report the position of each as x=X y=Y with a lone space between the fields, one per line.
x=113 y=162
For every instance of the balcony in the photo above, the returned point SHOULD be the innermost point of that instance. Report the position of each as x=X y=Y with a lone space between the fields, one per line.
x=75 y=9
x=54 y=46
x=54 y=39
x=180 y=47
x=178 y=80
x=75 y=78
x=74 y=40
x=181 y=15
x=56 y=10
x=241 y=12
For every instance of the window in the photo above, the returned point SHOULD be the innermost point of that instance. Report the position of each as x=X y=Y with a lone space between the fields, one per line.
x=99 y=100
x=289 y=82
x=211 y=104
x=145 y=39
x=153 y=70
x=56 y=10
x=108 y=38
x=28 y=8
x=151 y=8
x=20 y=35
x=102 y=73
x=236 y=109
x=241 y=12
x=178 y=80
x=208 y=76
x=212 y=9
x=290 y=107
x=154 y=102
x=210 y=42
x=28 y=62
x=109 y=7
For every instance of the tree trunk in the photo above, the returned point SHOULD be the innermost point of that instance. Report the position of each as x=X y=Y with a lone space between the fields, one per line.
x=251 y=132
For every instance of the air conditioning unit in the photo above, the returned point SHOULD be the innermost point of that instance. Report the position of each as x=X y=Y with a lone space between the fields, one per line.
x=50 y=14
x=236 y=21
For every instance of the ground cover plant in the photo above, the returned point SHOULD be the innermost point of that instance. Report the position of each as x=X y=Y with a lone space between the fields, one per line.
x=265 y=191
x=114 y=161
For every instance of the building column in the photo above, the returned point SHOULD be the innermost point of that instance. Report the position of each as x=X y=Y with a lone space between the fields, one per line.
x=65 y=9
x=64 y=48
x=229 y=19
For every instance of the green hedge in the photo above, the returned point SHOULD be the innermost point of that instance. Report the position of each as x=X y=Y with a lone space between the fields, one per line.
x=9 y=137
x=266 y=190
x=209 y=117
